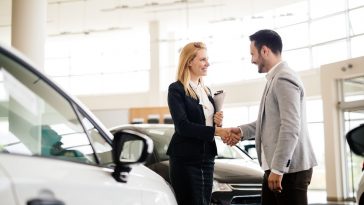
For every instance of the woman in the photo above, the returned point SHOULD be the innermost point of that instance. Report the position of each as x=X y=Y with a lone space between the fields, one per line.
x=192 y=149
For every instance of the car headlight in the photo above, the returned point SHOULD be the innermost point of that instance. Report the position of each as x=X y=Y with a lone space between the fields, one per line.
x=217 y=186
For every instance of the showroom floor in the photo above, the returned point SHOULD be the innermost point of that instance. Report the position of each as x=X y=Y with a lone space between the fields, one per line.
x=319 y=198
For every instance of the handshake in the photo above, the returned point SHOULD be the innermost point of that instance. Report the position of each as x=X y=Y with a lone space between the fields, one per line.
x=230 y=136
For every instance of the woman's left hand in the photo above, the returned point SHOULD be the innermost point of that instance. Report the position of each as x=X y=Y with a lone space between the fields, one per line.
x=218 y=117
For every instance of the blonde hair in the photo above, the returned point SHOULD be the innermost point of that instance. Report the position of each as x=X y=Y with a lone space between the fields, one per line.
x=187 y=55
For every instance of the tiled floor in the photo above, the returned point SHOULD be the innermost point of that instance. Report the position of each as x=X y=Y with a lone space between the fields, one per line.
x=319 y=198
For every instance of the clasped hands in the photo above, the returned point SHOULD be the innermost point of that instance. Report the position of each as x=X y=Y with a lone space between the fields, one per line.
x=229 y=136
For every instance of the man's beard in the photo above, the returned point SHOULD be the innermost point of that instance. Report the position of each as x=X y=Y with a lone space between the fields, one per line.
x=261 y=65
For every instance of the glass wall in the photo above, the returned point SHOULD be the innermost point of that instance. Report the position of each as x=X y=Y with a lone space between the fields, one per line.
x=310 y=30
x=100 y=63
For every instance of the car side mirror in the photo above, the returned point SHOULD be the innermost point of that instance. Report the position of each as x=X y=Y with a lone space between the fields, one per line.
x=355 y=138
x=129 y=148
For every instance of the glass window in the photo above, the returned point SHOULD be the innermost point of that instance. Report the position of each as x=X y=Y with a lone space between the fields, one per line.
x=355 y=21
x=167 y=76
x=57 y=67
x=316 y=132
x=85 y=84
x=100 y=57
x=291 y=14
x=57 y=48
x=355 y=3
x=161 y=137
x=232 y=71
x=298 y=59
x=353 y=90
x=75 y=59
x=294 y=36
x=253 y=112
x=229 y=152
x=329 y=28
x=314 y=111
x=323 y=54
x=168 y=59
x=356 y=45
x=37 y=120
x=258 y=21
x=238 y=115
x=234 y=116
x=101 y=147
x=321 y=8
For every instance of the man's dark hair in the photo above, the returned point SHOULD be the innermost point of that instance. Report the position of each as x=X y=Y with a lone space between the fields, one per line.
x=268 y=38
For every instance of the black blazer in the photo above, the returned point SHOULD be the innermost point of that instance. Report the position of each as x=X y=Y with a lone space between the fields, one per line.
x=192 y=138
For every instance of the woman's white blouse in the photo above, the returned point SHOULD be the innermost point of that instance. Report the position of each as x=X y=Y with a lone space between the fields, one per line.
x=208 y=108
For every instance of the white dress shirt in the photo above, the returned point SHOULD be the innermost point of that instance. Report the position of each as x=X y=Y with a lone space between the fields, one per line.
x=208 y=108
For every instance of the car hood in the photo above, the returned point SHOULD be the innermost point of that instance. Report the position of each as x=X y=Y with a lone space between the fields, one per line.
x=233 y=171
x=237 y=170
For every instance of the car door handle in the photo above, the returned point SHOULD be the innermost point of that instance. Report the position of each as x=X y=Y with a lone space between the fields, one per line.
x=44 y=202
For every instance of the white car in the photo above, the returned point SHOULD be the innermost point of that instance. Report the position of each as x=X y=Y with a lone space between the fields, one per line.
x=53 y=150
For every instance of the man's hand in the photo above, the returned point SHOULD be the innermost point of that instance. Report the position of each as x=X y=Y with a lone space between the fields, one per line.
x=236 y=130
x=232 y=138
x=275 y=182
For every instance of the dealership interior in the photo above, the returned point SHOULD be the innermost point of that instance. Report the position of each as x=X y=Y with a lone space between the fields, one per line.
x=118 y=57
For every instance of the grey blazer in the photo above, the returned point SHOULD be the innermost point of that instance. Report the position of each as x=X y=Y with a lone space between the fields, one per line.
x=281 y=126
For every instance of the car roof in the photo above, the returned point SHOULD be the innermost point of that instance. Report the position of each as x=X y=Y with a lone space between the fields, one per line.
x=141 y=127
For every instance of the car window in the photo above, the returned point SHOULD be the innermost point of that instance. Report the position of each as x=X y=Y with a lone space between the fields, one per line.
x=101 y=147
x=228 y=152
x=36 y=120
x=161 y=137
x=249 y=147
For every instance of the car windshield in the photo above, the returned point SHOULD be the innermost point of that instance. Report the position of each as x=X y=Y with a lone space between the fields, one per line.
x=37 y=119
x=161 y=137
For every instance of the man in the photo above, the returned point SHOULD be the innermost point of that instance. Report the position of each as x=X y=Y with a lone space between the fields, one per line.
x=282 y=142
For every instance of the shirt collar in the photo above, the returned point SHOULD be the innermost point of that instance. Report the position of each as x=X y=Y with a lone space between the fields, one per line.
x=194 y=85
x=269 y=75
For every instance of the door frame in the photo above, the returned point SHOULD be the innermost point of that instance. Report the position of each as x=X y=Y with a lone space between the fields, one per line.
x=331 y=74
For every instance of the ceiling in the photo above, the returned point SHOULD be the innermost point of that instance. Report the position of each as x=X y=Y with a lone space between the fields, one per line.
x=83 y=16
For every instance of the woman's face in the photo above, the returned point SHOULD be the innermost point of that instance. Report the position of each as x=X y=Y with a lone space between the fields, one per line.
x=198 y=66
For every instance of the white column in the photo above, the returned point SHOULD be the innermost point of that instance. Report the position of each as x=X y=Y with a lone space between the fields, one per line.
x=28 y=28
x=28 y=36
x=154 y=77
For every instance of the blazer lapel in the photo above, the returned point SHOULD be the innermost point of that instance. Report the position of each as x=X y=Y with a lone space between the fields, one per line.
x=265 y=92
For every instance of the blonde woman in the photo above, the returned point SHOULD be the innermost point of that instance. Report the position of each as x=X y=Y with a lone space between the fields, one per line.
x=192 y=149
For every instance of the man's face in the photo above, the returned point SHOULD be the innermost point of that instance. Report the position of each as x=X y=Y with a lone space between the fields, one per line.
x=258 y=57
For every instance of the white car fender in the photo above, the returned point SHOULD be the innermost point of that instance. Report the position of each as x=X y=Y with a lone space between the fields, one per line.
x=77 y=183
x=6 y=194
x=155 y=190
